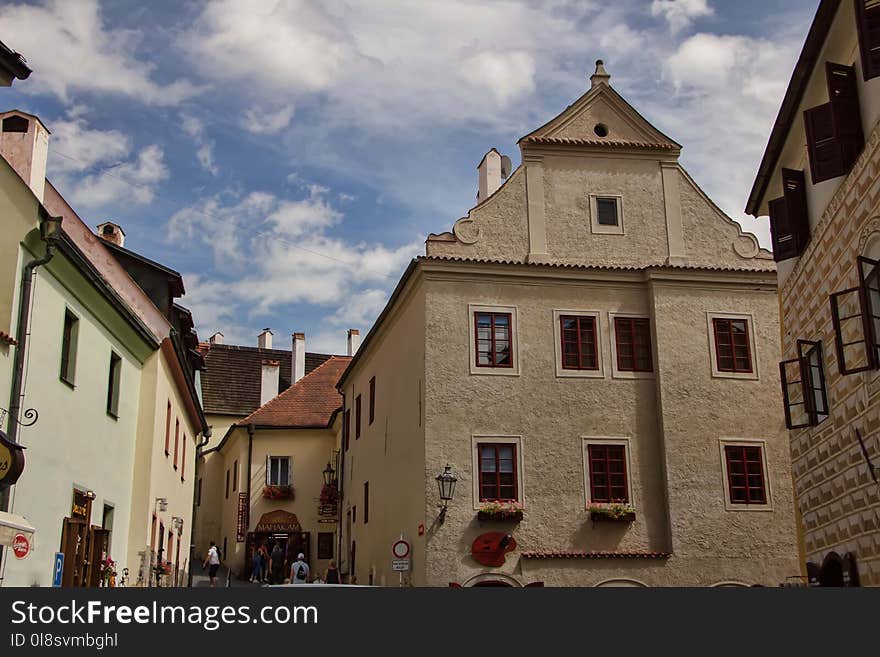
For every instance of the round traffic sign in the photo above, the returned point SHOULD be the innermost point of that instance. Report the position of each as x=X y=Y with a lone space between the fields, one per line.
x=21 y=546
x=400 y=549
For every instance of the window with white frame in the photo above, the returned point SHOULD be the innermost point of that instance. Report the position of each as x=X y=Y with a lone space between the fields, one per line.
x=278 y=471
x=578 y=343
x=745 y=481
x=497 y=468
x=606 y=214
x=493 y=340
x=732 y=345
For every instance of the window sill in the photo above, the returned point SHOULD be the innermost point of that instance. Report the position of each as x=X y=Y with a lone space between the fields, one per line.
x=745 y=376
x=494 y=371
x=729 y=506
x=630 y=374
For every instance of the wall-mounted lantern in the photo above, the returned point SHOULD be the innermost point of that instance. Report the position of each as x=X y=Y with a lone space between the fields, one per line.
x=446 y=485
x=329 y=474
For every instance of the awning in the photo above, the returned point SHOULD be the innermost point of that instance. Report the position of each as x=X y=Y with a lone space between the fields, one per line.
x=12 y=525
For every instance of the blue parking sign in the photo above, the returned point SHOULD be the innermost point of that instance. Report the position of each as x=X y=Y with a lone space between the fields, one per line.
x=58 y=569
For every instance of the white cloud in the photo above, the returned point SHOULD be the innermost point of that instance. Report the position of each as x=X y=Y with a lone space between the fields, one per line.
x=680 y=13
x=131 y=181
x=75 y=147
x=195 y=128
x=267 y=122
x=71 y=50
x=507 y=75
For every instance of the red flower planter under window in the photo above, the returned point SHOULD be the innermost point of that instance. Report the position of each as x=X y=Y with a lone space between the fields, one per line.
x=278 y=492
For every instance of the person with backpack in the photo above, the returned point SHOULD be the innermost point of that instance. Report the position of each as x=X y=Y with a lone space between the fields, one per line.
x=299 y=571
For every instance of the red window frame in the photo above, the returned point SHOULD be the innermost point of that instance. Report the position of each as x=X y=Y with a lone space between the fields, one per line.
x=745 y=474
x=372 y=399
x=491 y=487
x=183 y=459
x=573 y=339
x=638 y=332
x=357 y=417
x=608 y=473
x=168 y=429
x=727 y=339
x=176 y=441
x=493 y=341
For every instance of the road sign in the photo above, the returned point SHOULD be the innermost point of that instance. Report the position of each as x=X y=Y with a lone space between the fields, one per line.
x=21 y=546
x=58 y=569
x=400 y=565
x=400 y=549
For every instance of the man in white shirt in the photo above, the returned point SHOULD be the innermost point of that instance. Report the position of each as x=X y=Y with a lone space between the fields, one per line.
x=299 y=571
x=212 y=562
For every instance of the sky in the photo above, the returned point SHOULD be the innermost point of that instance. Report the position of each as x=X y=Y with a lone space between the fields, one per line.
x=290 y=157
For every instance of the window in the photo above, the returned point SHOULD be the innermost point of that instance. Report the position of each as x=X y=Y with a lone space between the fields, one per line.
x=868 y=22
x=168 y=428
x=15 y=123
x=789 y=221
x=372 y=399
x=325 y=545
x=354 y=515
x=183 y=459
x=278 y=471
x=804 y=395
x=113 y=385
x=366 y=502
x=227 y=484
x=493 y=339
x=176 y=440
x=732 y=350
x=199 y=492
x=834 y=129
x=346 y=428
x=357 y=417
x=607 y=472
x=632 y=337
x=68 y=347
x=107 y=523
x=498 y=471
x=606 y=214
x=579 y=341
x=745 y=474
x=855 y=315
x=153 y=533
x=235 y=476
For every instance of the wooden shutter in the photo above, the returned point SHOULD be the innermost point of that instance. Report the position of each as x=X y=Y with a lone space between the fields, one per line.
x=813 y=378
x=843 y=91
x=794 y=402
x=794 y=191
x=868 y=23
x=784 y=239
x=852 y=334
x=826 y=159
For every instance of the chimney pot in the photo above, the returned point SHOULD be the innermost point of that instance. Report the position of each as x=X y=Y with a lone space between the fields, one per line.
x=217 y=338
x=490 y=172
x=264 y=340
x=269 y=380
x=600 y=76
x=111 y=232
x=354 y=341
x=298 y=357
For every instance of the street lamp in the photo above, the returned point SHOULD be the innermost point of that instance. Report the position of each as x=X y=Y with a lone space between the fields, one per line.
x=446 y=484
x=329 y=474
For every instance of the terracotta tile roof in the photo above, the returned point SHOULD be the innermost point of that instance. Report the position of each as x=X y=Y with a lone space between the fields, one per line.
x=231 y=380
x=768 y=266
x=561 y=554
x=310 y=402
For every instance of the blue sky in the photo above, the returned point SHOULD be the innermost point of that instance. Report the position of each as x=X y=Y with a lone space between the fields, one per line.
x=290 y=157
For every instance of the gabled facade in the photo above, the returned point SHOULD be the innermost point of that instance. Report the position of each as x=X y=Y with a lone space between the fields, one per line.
x=819 y=182
x=592 y=349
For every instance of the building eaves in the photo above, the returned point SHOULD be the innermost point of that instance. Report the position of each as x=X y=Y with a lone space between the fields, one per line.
x=797 y=86
x=563 y=265
x=175 y=276
x=13 y=63
x=575 y=554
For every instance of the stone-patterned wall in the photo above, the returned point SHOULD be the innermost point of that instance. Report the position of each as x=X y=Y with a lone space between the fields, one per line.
x=838 y=500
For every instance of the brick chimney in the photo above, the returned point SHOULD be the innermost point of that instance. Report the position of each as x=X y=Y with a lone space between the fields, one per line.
x=354 y=341
x=264 y=340
x=111 y=232
x=24 y=143
x=298 y=357
x=217 y=338
x=269 y=380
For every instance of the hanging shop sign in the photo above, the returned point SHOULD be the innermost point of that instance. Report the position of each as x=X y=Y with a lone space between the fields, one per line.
x=11 y=461
x=81 y=505
x=242 y=519
x=490 y=549
x=21 y=546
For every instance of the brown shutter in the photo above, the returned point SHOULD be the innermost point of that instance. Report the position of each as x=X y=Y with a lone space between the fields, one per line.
x=826 y=159
x=868 y=23
x=784 y=239
x=852 y=334
x=844 y=95
x=794 y=191
x=793 y=400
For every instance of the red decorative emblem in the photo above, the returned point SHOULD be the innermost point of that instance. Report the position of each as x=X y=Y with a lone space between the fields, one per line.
x=21 y=546
x=491 y=548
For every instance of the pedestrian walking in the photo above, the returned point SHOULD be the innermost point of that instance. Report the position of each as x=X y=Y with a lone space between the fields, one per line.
x=257 y=571
x=276 y=565
x=299 y=571
x=212 y=563
x=332 y=575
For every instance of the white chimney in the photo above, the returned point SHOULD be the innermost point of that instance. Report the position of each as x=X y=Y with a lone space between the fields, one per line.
x=112 y=233
x=269 y=380
x=24 y=143
x=354 y=341
x=264 y=340
x=298 y=357
x=492 y=169
x=217 y=338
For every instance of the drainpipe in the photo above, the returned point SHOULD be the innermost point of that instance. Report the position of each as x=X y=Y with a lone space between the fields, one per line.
x=206 y=435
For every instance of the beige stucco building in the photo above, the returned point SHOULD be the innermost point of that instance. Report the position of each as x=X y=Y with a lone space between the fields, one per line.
x=819 y=182
x=594 y=334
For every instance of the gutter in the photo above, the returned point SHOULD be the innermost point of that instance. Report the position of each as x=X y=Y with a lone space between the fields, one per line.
x=206 y=436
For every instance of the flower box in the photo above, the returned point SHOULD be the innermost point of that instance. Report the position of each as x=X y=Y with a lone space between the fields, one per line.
x=500 y=512
x=278 y=492
x=615 y=511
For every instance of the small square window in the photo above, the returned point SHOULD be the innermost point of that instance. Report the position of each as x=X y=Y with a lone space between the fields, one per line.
x=606 y=211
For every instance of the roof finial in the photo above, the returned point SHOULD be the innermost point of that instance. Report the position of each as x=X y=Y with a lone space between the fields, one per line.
x=601 y=76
